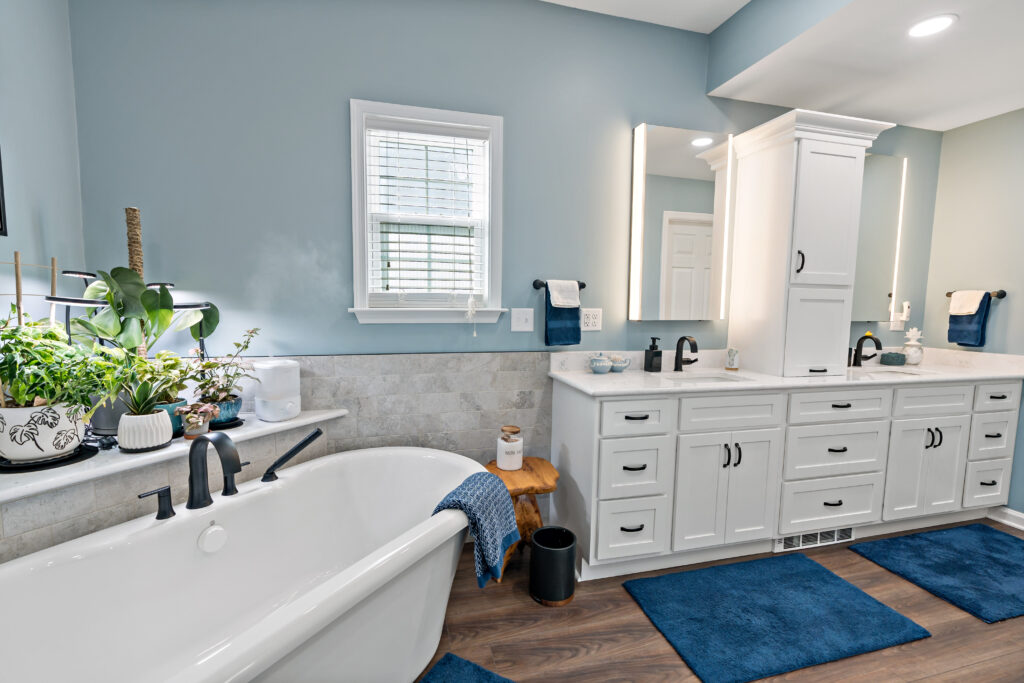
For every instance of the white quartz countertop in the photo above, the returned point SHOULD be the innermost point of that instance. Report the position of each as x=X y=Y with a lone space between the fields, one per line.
x=15 y=485
x=636 y=383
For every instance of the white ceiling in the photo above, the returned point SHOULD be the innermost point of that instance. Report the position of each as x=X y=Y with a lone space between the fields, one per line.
x=670 y=153
x=861 y=62
x=702 y=16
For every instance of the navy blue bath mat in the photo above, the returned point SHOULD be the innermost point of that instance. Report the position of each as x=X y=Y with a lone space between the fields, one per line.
x=977 y=568
x=452 y=669
x=744 y=621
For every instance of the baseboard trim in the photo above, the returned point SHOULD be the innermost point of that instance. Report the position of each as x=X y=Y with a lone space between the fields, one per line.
x=1008 y=517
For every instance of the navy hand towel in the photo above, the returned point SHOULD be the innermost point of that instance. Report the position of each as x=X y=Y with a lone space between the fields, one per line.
x=969 y=330
x=492 y=521
x=561 y=325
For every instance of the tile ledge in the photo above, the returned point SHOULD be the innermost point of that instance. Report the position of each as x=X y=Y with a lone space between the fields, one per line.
x=14 y=486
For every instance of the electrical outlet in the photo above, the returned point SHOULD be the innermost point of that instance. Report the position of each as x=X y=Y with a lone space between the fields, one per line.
x=522 y=320
x=591 y=321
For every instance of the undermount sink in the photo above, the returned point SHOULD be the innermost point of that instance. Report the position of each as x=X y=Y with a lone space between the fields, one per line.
x=886 y=373
x=705 y=377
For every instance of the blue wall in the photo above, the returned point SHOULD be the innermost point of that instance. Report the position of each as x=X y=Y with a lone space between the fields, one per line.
x=978 y=240
x=227 y=124
x=38 y=144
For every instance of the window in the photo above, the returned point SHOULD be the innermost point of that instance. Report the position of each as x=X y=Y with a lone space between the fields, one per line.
x=426 y=214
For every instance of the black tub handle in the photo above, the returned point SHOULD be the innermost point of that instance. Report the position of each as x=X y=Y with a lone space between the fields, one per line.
x=631 y=529
x=803 y=260
x=931 y=439
x=635 y=468
x=940 y=437
x=842 y=405
x=728 y=456
x=997 y=397
x=739 y=456
x=988 y=483
x=837 y=450
x=997 y=435
x=638 y=417
x=835 y=504
x=817 y=370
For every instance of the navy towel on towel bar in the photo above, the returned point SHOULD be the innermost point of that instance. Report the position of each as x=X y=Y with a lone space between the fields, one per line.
x=969 y=330
x=561 y=325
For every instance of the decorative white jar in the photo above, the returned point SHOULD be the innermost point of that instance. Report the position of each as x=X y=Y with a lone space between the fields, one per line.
x=510 y=449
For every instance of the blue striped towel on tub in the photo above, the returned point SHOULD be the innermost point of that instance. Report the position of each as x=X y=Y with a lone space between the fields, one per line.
x=492 y=520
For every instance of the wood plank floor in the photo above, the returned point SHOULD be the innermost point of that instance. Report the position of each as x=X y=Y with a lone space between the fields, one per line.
x=602 y=635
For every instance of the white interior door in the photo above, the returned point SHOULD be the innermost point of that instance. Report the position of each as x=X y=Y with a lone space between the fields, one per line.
x=686 y=265
x=754 y=485
x=702 y=477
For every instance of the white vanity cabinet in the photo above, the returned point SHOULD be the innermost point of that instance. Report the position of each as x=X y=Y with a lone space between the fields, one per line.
x=927 y=461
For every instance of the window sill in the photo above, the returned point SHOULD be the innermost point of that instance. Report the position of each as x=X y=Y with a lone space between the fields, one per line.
x=425 y=315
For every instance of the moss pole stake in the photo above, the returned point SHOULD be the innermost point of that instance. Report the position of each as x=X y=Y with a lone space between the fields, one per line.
x=17 y=286
x=53 y=289
x=134 y=223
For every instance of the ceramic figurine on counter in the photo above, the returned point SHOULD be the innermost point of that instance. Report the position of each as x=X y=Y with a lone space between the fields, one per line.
x=600 y=364
x=912 y=348
x=732 y=359
x=619 y=364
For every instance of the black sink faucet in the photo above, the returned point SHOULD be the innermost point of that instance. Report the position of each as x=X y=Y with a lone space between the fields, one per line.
x=198 y=474
x=680 y=361
x=858 y=353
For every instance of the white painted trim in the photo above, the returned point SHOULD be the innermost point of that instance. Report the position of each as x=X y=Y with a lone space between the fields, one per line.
x=425 y=315
x=1006 y=516
x=481 y=126
x=803 y=123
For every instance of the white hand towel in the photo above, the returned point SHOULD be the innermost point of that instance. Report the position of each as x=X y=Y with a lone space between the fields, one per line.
x=564 y=293
x=965 y=302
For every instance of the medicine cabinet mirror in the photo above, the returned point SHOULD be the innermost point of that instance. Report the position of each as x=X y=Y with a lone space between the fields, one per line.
x=879 y=240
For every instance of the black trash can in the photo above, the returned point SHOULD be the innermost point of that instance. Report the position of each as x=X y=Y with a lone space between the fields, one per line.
x=553 y=566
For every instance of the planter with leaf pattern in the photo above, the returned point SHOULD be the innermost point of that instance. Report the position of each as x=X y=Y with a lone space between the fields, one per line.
x=40 y=432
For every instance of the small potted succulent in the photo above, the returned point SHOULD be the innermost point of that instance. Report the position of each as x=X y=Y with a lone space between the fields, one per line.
x=145 y=427
x=196 y=418
x=218 y=380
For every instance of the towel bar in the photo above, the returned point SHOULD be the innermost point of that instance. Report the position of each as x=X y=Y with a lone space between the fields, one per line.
x=541 y=284
x=997 y=294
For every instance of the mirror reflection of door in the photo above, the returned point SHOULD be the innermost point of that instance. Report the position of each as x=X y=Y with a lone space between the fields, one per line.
x=686 y=265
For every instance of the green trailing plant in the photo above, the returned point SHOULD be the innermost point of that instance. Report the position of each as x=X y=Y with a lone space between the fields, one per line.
x=219 y=379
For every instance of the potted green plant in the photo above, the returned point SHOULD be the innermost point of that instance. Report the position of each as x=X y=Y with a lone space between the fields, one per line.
x=170 y=373
x=144 y=427
x=45 y=391
x=218 y=380
x=196 y=418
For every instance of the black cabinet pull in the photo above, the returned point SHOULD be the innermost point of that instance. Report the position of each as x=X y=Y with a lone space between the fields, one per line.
x=631 y=529
x=817 y=370
x=635 y=468
x=931 y=439
x=997 y=435
x=803 y=260
x=835 y=504
x=638 y=417
x=837 y=450
x=940 y=437
x=997 y=397
x=842 y=405
x=988 y=483
x=739 y=456
x=728 y=456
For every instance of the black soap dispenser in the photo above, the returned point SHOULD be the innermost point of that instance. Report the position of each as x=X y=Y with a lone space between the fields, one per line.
x=652 y=357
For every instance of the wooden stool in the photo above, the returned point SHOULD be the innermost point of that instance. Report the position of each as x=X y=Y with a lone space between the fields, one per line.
x=536 y=476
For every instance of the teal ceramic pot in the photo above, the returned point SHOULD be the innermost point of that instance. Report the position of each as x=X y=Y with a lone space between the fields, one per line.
x=176 y=424
x=228 y=410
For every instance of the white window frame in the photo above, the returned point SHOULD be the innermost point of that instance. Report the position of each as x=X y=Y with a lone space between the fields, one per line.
x=438 y=121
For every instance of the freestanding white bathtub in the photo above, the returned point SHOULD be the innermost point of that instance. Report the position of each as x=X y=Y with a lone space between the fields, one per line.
x=335 y=572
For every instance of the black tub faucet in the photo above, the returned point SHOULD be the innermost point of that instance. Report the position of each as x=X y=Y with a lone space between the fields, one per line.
x=271 y=473
x=198 y=473
x=858 y=353
x=680 y=361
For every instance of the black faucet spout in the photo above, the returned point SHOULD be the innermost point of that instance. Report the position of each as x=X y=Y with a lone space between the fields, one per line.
x=198 y=472
x=858 y=353
x=680 y=361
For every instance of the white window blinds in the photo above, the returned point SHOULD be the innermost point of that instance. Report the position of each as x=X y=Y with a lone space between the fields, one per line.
x=427 y=200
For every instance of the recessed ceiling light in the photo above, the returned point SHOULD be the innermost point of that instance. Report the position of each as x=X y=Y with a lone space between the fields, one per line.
x=701 y=142
x=932 y=25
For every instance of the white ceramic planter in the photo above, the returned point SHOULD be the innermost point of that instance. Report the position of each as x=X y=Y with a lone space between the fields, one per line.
x=144 y=432
x=40 y=433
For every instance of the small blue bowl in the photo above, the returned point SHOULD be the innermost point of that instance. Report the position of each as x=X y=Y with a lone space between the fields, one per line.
x=893 y=358
x=621 y=365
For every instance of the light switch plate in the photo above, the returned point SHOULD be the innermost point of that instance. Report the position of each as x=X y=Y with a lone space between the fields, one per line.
x=522 y=320
x=591 y=319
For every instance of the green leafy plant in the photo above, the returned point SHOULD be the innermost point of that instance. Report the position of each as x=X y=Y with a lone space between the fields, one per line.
x=140 y=398
x=219 y=378
x=169 y=372
x=197 y=414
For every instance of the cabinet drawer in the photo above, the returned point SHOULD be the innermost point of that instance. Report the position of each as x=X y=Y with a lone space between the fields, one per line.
x=829 y=406
x=642 y=416
x=987 y=483
x=829 y=450
x=933 y=400
x=993 y=435
x=738 y=411
x=637 y=466
x=634 y=526
x=1003 y=396
x=833 y=502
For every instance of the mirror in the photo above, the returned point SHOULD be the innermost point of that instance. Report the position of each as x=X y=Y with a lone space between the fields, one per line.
x=878 y=242
x=678 y=241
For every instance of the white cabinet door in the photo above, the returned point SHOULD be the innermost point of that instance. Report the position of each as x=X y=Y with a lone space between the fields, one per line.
x=817 y=331
x=927 y=460
x=754 y=485
x=826 y=213
x=702 y=476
